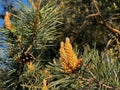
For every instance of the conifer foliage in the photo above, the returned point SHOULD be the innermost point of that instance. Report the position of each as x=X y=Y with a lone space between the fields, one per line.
x=42 y=28
x=29 y=34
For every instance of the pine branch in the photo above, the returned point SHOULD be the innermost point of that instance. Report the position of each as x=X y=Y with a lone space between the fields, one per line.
x=104 y=23
x=94 y=73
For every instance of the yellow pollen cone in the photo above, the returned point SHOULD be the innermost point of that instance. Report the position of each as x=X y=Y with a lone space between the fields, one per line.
x=68 y=58
x=65 y=65
x=72 y=58
x=30 y=66
x=44 y=87
x=7 y=21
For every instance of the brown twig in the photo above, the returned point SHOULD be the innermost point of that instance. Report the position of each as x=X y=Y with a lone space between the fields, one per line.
x=103 y=21
x=112 y=29
x=105 y=24
x=93 y=15
x=38 y=4
x=96 y=6
x=35 y=6
x=32 y=4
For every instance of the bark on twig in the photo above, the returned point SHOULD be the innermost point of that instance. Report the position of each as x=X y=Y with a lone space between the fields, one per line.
x=103 y=21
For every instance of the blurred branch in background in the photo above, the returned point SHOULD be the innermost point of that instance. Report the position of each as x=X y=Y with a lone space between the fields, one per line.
x=103 y=22
x=40 y=58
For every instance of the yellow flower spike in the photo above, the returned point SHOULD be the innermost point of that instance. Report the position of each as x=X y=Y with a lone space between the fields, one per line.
x=63 y=58
x=71 y=57
x=7 y=21
x=47 y=74
x=30 y=66
x=68 y=58
x=44 y=86
x=62 y=51
x=65 y=65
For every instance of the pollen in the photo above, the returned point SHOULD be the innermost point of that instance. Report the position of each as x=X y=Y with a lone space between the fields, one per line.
x=44 y=86
x=68 y=58
x=7 y=21
x=71 y=56
x=30 y=66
